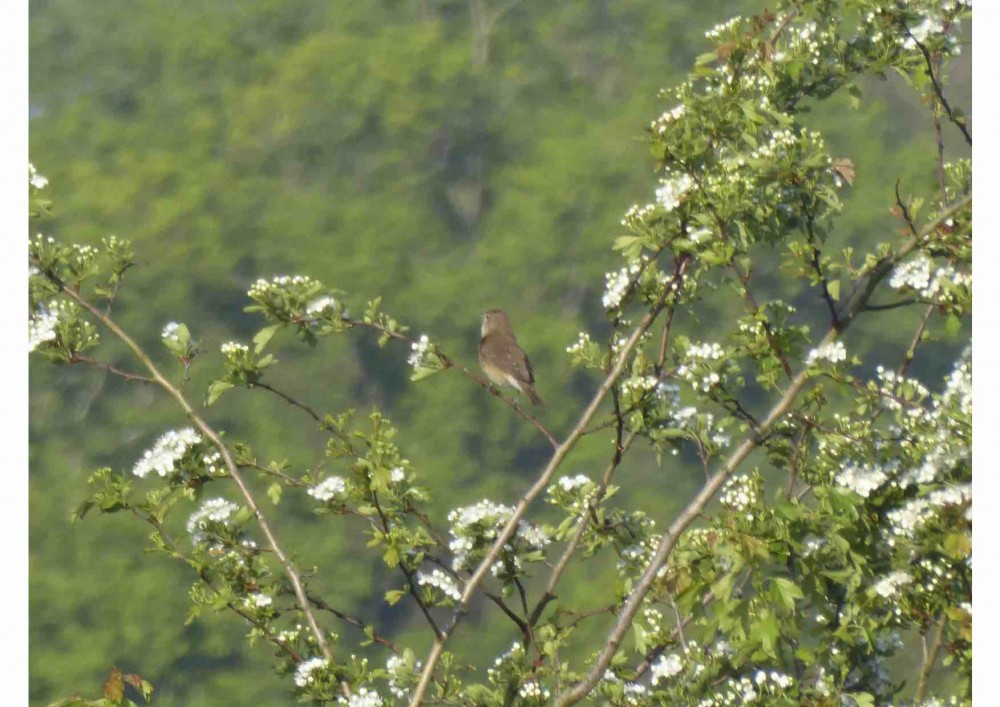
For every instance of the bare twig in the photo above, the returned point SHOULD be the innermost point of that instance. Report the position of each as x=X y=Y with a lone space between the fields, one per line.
x=959 y=123
x=80 y=358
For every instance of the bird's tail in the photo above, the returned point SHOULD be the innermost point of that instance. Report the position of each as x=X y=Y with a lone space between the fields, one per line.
x=535 y=399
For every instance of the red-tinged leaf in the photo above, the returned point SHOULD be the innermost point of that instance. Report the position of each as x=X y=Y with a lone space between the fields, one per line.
x=845 y=168
x=114 y=687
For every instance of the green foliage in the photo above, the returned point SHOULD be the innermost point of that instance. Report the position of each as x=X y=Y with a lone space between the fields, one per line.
x=434 y=160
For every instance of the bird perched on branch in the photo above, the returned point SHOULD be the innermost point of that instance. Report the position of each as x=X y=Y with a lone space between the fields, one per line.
x=503 y=361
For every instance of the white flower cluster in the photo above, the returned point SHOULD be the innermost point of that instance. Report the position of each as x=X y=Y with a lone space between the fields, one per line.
x=531 y=690
x=659 y=126
x=212 y=462
x=42 y=324
x=571 y=483
x=214 y=510
x=747 y=690
x=862 y=480
x=834 y=352
x=304 y=671
x=740 y=495
x=328 y=488
x=640 y=384
x=617 y=284
x=35 y=179
x=485 y=515
x=232 y=349
x=723 y=28
x=890 y=584
x=397 y=475
x=582 y=343
x=442 y=581
x=170 y=331
x=637 y=215
x=697 y=369
x=480 y=524
x=320 y=305
x=665 y=668
x=958 y=385
x=671 y=189
x=168 y=450
x=392 y=667
x=258 y=601
x=364 y=697
x=916 y=274
x=263 y=288
x=418 y=356
x=84 y=254
x=778 y=145
x=906 y=521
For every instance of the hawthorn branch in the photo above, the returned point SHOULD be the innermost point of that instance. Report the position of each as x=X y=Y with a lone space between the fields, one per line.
x=959 y=122
x=930 y=658
x=80 y=358
x=669 y=540
x=234 y=472
x=449 y=362
x=560 y=453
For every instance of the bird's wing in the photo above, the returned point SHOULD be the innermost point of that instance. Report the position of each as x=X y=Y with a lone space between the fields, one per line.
x=520 y=366
x=510 y=355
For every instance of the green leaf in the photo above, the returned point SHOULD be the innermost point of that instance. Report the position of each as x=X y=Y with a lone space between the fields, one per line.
x=787 y=591
x=834 y=288
x=215 y=390
x=394 y=595
x=274 y=493
x=264 y=336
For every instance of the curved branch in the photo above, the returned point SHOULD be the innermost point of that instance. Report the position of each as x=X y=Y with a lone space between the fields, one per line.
x=227 y=458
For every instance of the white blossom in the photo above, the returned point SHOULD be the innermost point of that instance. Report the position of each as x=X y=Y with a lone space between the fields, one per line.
x=258 y=601
x=862 y=480
x=363 y=697
x=320 y=305
x=666 y=667
x=215 y=510
x=419 y=350
x=532 y=690
x=36 y=179
x=170 y=331
x=617 y=284
x=834 y=352
x=42 y=324
x=168 y=450
x=304 y=671
x=442 y=581
x=570 y=483
x=890 y=584
x=669 y=194
x=328 y=488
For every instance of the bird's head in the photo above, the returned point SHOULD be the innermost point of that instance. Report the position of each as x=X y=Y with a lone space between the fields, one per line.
x=495 y=320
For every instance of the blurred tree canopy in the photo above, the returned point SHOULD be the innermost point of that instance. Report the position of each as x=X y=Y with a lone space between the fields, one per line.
x=451 y=156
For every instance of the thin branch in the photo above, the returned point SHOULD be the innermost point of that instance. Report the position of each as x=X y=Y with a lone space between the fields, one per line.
x=745 y=280
x=960 y=123
x=930 y=658
x=538 y=487
x=452 y=363
x=227 y=458
x=669 y=540
x=890 y=305
x=80 y=358
x=354 y=621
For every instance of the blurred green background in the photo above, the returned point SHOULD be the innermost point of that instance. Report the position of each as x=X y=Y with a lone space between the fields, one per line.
x=449 y=155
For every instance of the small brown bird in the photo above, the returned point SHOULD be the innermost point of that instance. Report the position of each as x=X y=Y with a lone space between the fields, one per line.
x=503 y=361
